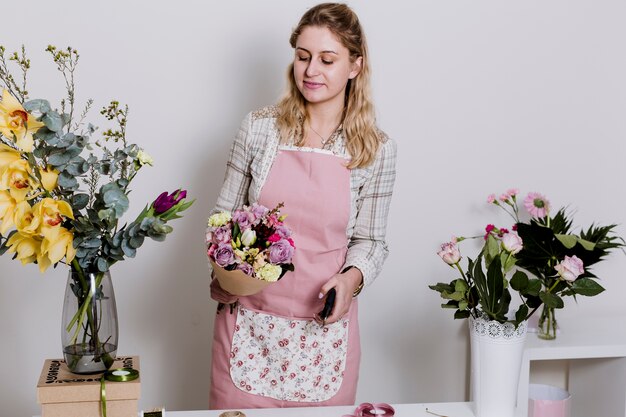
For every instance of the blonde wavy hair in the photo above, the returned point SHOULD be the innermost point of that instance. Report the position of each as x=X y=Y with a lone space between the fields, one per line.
x=359 y=122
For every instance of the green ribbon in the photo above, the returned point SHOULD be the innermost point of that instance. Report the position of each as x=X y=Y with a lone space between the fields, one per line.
x=115 y=375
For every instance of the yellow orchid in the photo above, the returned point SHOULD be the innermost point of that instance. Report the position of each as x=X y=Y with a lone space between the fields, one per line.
x=16 y=123
x=49 y=211
x=25 y=220
x=49 y=178
x=25 y=247
x=7 y=155
x=16 y=178
x=58 y=243
x=7 y=210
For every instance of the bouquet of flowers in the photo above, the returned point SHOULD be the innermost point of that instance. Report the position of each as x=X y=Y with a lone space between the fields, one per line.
x=545 y=258
x=250 y=248
x=62 y=196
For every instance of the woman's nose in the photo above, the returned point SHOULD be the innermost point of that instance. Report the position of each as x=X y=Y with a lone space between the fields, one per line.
x=312 y=69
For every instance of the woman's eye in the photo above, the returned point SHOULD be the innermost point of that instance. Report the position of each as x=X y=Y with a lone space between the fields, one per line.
x=325 y=62
x=303 y=58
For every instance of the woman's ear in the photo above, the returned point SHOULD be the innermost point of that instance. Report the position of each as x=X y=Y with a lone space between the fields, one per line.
x=356 y=67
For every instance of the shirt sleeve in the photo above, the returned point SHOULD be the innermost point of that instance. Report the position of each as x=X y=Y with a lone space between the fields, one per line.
x=367 y=249
x=234 y=192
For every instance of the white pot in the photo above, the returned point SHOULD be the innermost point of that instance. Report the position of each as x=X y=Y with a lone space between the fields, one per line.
x=497 y=351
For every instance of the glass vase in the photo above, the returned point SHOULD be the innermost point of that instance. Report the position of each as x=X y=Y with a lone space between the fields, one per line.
x=89 y=325
x=546 y=325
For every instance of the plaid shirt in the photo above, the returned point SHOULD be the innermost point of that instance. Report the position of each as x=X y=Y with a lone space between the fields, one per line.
x=252 y=154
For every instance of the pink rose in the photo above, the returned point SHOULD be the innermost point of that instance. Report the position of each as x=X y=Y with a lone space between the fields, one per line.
x=450 y=253
x=512 y=243
x=570 y=268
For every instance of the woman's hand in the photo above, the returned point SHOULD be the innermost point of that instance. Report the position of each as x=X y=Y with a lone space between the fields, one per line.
x=222 y=297
x=344 y=284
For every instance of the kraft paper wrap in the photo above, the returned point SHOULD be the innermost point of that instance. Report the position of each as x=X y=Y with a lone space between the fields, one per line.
x=238 y=283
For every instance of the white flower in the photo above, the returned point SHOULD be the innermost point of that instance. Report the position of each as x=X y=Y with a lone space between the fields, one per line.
x=219 y=219
x=144 y=158
x=512 y=243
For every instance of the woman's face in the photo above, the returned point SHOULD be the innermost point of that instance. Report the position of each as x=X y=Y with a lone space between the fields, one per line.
x=322 y=67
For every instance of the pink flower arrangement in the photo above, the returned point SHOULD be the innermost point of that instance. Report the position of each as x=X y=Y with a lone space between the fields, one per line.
x=253 y=239
x=542 y=260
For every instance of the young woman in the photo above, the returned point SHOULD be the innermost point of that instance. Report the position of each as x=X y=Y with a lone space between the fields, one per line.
x=320 y=152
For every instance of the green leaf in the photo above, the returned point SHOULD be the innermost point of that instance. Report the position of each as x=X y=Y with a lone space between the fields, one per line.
x=533 y=288
x=461 y=314
x=495 y=285
x=493 y=248
x=450 y=304
x=37 y=105
x=67 y=181
x=460 y=285
x=441 y=287
x=519 y=281
x=586 y=244
x=551 y=300
x=521 y=314
x=587 y=287
x=58 y=157
x=79 y=201
x=53 y=121
x=568 y=241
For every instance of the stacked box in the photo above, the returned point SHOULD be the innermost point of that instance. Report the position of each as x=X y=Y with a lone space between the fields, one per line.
x=64 y=394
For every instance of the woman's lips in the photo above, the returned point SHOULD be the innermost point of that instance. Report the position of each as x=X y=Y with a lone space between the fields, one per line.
x=312 y=86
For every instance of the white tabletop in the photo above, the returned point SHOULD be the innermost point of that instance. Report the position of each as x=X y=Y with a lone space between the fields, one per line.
x=402 y=410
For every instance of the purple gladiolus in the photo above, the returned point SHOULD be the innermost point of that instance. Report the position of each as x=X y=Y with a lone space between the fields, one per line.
x=281 y=252
x=166 y=201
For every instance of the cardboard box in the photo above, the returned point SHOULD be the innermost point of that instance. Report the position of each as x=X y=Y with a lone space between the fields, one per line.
x=64 y=394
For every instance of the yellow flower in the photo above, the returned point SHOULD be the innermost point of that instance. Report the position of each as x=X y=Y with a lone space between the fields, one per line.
x=7 y=155
x=269 y=272
x=25 y=247
x=49 y=177
x=7 y=209
x=16 y=179
x=16 y=123
x=25 y=220
x=49 y=211
x=58 y=243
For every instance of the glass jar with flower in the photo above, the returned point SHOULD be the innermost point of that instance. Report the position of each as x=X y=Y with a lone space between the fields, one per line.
x=62 y=198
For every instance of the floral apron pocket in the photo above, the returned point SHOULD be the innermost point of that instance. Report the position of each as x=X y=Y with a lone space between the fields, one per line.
x=296 y=356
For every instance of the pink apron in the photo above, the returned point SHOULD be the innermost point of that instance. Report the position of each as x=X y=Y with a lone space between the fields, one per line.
x=271 y=353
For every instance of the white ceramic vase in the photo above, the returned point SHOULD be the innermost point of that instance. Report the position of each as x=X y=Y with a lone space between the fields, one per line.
x=497 y=351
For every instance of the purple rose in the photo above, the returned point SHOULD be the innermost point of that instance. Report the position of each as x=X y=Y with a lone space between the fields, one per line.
x=243 y=219
x=281 y=252
x=222 y=235
x=246 y=268
x=224 y=255
x=258 y=210
x=166 y=201
x=282 y=231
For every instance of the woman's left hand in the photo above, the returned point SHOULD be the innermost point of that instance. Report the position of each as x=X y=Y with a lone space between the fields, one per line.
x=344 y=284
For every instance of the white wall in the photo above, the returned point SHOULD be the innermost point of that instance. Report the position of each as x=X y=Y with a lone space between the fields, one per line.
x=480 y=96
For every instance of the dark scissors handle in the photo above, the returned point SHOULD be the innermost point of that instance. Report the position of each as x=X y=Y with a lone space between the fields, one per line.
x=328 y=305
